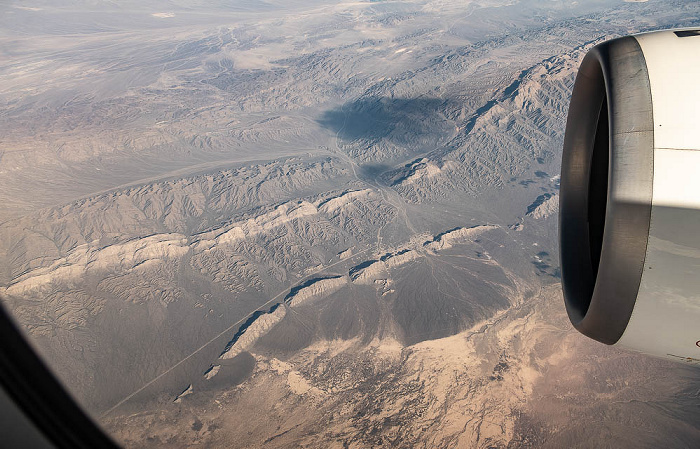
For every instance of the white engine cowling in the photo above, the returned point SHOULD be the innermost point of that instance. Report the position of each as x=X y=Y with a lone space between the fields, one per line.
x=629 y=220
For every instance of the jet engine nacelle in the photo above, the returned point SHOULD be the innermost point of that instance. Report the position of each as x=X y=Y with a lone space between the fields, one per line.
x=629 y=222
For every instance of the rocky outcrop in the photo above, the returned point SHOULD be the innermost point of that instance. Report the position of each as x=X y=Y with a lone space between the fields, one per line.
x=544 y=206
x=248 y=336
x=315 y=289
x=92 y=258
x=457 y=235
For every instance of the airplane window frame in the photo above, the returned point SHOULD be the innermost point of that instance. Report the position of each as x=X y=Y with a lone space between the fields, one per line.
x=36 y=391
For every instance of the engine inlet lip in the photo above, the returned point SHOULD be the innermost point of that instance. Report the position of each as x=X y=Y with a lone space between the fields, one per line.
x=600 y=302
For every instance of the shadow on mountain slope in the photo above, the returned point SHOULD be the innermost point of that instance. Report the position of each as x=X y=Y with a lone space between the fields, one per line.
x=399 y=119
